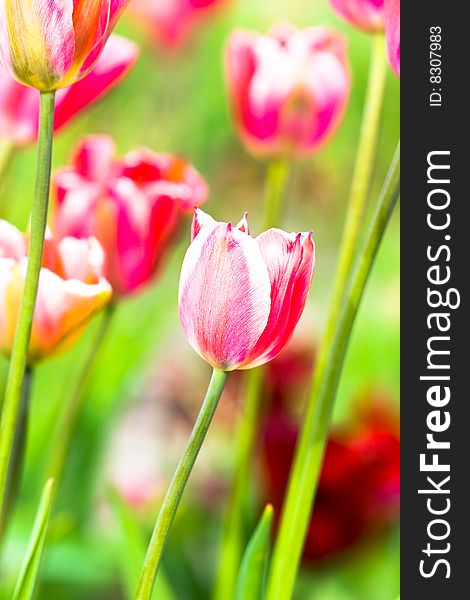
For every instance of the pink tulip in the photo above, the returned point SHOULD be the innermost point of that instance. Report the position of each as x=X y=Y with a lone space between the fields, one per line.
x=170 y=21
x=19 y=105
x=392 y=33
x=71 y=290
x=240 y=297
x=50 y=45
x=132 y=205
x=365 y=14
x=288 y=89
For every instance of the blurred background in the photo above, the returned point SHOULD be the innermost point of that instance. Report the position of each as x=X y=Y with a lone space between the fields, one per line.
x=148 y=383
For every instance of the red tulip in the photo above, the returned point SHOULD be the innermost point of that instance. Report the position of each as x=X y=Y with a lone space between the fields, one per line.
x=132 y=205
x=359 y=486
x=365 y=14
x=71 y=290
x=241 y=297
x=19 y=105
x=392 y=33
x=170 y=21
x=288 y=89
x=50 y=45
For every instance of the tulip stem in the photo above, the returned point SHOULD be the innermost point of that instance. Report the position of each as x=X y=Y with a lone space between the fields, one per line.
x=6 y=149
x=19 y=353
x=175 y=491
x=276 y=181
x=309 y=452
x=363 y=169
x=18 y=451
x=67 y=424
x=235 y=522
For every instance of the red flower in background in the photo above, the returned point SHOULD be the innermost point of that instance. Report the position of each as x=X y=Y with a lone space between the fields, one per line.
x=19 y=105
x=169 y=22
x=359 y=486
x=133 y=205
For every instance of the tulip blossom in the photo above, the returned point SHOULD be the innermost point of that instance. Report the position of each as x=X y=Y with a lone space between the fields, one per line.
x=364 y=14
x=240 y=297
x=132 y=205
x=19 y=105
x=50 y=45
x=392 y=33
x=288 y=89
x=169 y=21
x=71 y=290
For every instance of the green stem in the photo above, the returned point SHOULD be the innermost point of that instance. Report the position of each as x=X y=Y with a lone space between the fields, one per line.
x=233 y=539
x=363 y=170
x=25 y=319
x=6 y=149
x=68 y=420
x=18 y=451
x=276 y=181
x=175 y=491
x=309 y=453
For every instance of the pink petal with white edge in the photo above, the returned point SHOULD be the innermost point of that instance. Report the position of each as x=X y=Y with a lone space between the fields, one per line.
x=201 y=219
x=224 y=296
x=290 y=259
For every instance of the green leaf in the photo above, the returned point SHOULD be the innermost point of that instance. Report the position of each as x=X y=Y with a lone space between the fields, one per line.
x=29 y=571
x=132 y=550
x=254 y=567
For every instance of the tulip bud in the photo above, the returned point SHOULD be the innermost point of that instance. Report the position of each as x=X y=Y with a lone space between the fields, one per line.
x=288 y=89
x=240 y=297
x=132 y=205
x=392 y=33
x=71 y=290
x=50 y=45
x=364 y=14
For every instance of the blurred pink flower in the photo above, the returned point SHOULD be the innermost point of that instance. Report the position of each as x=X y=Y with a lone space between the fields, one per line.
x=19 y=105
x=392 y=33
x=50 y=45
x=168 y=22
x=241 y=297
x=288 y=89
x=365 y=14
x=132 y=205
x=71 y=290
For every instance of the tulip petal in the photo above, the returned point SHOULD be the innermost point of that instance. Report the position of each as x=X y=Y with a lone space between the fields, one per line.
x=63 y=308
x=37 y=40
x=290 y=260
x=201 y=219
x=12 y=241
x=118 y=57
x=224 y=296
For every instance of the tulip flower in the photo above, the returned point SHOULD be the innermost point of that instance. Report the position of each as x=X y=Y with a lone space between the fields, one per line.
x=364 y=14
x=132 y=205
x=170 y=21
x=71 y=290
x=288 y=89
x=392 y=33
x=51 y=45
x=240 y=297
x=19 y=105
